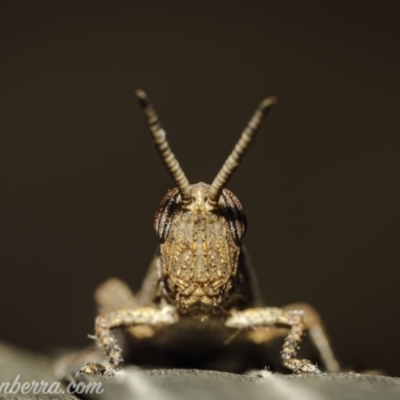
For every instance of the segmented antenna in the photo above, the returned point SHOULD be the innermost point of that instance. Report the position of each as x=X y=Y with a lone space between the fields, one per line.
x=160 y=140
x=240 y=148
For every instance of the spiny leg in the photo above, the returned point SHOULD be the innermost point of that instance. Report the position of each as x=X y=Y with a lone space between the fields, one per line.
x=257 y=317
x=123 y=319
x=318 y=334
x=112 y=295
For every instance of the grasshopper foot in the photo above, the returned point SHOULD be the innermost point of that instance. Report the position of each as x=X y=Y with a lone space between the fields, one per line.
x=96 y=369
x=303 y=367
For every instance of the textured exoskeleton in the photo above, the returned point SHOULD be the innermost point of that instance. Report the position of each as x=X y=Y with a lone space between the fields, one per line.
x=199 y=306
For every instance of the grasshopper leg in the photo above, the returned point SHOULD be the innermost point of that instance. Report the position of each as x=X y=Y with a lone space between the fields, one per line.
x=123 y=319
x=271 y=316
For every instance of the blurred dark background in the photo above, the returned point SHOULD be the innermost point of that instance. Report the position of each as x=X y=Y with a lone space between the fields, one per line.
x=80 y=179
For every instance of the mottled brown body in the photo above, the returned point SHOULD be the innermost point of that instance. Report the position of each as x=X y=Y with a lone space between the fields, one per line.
x=200 y=295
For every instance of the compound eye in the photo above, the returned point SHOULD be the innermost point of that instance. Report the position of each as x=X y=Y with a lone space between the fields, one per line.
x=165 y=214
x=233 y=212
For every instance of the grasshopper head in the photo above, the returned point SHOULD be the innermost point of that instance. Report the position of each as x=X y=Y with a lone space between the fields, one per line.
x=200 y=227
x=199 y=245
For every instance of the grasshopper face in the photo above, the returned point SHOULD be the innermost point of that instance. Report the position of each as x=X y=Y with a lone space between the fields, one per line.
x=199 y=246
x=199 y=226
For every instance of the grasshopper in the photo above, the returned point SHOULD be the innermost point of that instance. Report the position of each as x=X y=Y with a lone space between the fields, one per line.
x=200 y=292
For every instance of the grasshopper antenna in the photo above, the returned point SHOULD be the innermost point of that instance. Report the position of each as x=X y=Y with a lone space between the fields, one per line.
x=160 y=140
x=239 y=150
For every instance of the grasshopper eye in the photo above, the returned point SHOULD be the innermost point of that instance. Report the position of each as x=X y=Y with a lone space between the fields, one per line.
x=233 y=212
x=166 y=212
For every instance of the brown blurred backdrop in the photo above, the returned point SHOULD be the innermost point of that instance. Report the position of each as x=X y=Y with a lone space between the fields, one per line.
x=80 y=179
